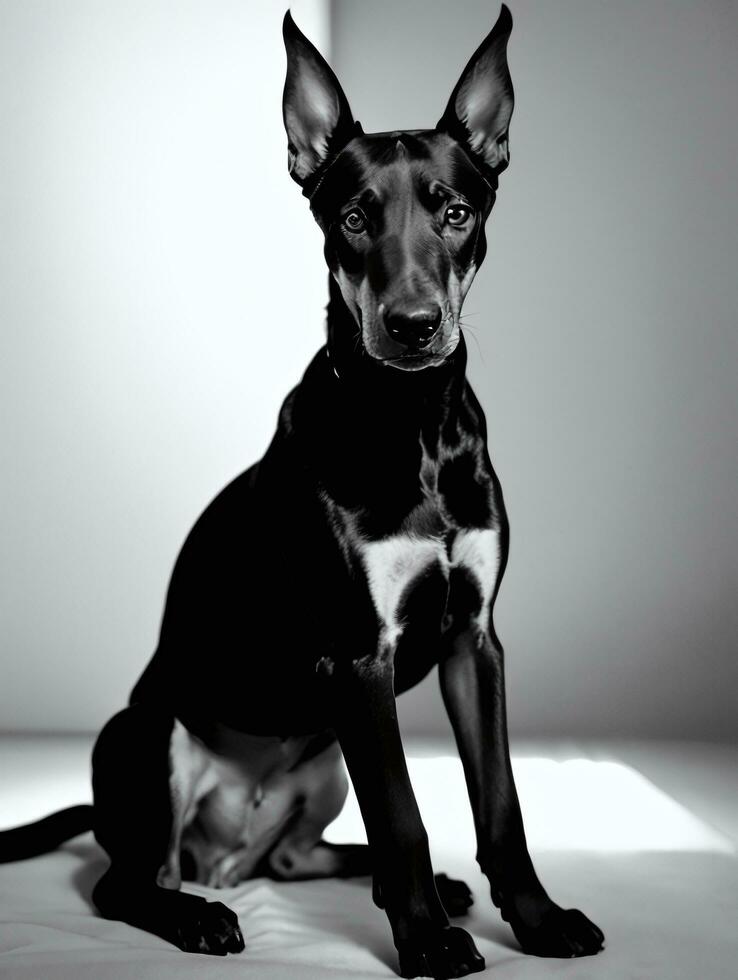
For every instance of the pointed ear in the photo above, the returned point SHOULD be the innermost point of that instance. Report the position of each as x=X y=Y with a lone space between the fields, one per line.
x=479 y=110
x=316 y=114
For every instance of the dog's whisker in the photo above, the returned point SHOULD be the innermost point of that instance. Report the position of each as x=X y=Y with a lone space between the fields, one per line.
x=476 y=341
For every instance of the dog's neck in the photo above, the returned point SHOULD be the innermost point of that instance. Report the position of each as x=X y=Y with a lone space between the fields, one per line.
x=365 y=426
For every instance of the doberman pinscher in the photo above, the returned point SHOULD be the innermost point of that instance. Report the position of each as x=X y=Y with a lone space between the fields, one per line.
x=364 y=549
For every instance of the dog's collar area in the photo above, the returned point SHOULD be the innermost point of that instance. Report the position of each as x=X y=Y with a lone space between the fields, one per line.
x=453 y=366
x=331 y=362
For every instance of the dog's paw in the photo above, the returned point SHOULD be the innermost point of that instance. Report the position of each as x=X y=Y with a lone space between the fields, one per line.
x=561 y=932
x=208 y=928
x=443 y=953
x=456 y=896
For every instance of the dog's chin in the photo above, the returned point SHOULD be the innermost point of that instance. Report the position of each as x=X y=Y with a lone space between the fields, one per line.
x=415 y=362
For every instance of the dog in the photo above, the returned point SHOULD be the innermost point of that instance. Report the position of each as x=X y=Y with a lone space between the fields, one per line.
x=364 y=549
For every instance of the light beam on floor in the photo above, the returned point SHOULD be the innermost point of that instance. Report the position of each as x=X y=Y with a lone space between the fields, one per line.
x=575 y=805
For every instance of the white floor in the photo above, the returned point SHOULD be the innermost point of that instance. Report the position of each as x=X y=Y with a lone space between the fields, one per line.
x=642 y=836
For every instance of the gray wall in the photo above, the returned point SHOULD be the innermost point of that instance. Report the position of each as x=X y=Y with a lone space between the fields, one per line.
x=147 y=335
x=604 y=344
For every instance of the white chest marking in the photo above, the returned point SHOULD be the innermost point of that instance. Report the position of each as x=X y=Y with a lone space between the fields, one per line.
x=391 y=565
x=478 y=551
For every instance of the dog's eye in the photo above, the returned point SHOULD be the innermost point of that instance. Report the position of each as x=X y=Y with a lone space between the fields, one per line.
x=458 y=215
x=354 y=221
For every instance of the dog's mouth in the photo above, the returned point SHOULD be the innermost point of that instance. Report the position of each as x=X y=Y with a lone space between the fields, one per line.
x=416 y=361
x=419 y=359
x=411 y=357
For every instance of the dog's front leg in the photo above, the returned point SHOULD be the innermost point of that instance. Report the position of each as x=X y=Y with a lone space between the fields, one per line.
x=367 y=728
x=473 y=687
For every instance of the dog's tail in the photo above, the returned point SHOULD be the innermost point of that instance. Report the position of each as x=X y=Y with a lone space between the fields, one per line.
x=46 y=834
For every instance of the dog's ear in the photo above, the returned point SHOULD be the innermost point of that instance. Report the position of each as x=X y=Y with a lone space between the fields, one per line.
x=479 y=110
x=316 y=113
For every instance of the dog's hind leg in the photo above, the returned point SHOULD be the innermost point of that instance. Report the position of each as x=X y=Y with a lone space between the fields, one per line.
x=318 y=788
x=139 y=807
x=321 y=786
x=327 y=860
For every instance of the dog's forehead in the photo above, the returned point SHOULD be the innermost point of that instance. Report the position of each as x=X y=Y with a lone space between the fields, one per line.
x=384 y=165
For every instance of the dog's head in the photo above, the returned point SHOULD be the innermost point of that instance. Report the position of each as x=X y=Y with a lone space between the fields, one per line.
x=403 y=213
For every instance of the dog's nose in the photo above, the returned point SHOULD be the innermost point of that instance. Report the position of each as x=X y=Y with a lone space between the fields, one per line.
x=415 y=327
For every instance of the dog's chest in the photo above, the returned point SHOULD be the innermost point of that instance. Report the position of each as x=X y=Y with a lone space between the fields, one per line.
x=454 y=526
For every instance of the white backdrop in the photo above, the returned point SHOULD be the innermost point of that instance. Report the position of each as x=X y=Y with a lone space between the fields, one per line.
x=149 y=326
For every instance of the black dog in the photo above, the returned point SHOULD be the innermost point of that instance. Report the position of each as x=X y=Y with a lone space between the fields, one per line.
x=365 y=548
